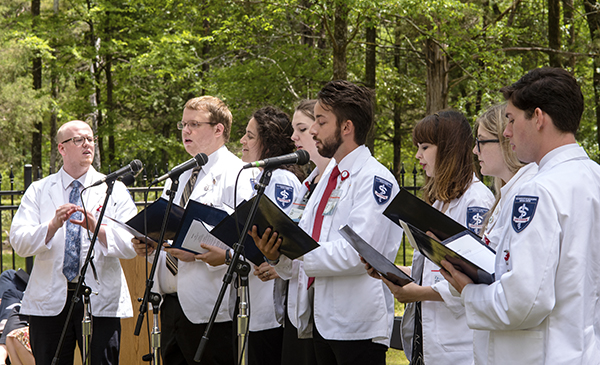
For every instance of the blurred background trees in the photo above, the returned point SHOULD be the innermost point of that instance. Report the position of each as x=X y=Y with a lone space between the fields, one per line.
x=129 y=66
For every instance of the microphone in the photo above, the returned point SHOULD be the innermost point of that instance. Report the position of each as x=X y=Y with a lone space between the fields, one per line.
x=199 y=160
x=300 y=157
x=128 y=179
x=134 y=167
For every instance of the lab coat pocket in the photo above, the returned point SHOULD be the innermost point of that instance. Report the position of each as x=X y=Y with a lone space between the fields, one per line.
x=511 y=347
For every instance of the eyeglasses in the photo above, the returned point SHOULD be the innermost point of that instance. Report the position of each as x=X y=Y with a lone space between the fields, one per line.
x=192 y=124
x=78 y=140
x=479 y=143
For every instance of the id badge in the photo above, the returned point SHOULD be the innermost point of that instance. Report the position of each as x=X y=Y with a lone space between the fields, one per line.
x=298 y=208
x=297 y=211
x=332 y=202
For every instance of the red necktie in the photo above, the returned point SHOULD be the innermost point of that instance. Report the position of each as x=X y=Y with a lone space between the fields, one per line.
x=316 y=232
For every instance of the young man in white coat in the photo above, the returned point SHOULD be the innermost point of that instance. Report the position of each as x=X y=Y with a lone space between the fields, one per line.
x=190 y=295
x=50 y=225
x=542 y=308
x=353 y=313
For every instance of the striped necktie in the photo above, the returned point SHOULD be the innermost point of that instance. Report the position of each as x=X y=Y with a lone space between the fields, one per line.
x=171 y=261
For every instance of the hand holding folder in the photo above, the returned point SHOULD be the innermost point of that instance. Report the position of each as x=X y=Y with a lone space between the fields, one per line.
x=295 y=242
x=380 y=263
x=459 y=246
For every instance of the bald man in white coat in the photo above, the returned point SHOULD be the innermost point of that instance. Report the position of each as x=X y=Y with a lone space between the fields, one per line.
x=40 y=229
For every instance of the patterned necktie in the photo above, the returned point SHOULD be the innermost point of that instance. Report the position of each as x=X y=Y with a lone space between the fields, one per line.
x=189 y=187
x=171 y=261
x=73 y=241
x=316 y=232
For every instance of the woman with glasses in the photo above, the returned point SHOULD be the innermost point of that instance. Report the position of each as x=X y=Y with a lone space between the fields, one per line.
x=434 y=329
x=497 y=159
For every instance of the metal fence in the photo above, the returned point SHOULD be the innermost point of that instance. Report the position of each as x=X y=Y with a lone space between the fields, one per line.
x=11 y=198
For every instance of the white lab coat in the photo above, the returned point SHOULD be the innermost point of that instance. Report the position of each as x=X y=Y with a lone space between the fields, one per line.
x=348 y=303
x=492 y=236
x=197 y=283
x=262 y=305
x=46 y=293
x=446 y=337
x=507 y=194
x=543 y=307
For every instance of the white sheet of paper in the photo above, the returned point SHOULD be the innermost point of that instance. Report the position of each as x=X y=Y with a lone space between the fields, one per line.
x=475 y=252
x=197 y=234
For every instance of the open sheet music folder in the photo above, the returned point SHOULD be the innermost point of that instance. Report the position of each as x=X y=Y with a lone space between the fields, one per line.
x=154 y=214
x=379 y=262
x=295 y=242
x=459 y=245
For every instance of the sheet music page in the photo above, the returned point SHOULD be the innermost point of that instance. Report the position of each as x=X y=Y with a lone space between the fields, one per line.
x=197 y=234
x=474 y=251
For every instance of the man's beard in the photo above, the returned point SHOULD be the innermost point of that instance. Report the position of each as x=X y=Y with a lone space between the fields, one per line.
x=329 y=147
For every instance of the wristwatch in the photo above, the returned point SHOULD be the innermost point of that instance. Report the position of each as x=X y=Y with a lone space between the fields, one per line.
x=227 y=257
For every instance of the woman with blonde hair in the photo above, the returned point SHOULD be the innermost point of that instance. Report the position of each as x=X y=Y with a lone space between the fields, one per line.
x=497 y=159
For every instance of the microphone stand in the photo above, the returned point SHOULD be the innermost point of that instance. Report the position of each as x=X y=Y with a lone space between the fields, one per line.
x=85 y=290
x=242 y=269
x=149 y=296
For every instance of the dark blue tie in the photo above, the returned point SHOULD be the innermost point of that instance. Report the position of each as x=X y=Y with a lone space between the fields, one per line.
x=73 y=241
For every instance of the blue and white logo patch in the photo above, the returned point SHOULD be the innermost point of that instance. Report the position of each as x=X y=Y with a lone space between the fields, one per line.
x=284 y=195
x=382 y=190
x=475 y=218
x=523 y=211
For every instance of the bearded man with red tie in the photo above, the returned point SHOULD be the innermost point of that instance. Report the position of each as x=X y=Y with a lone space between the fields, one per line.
x=353 y=313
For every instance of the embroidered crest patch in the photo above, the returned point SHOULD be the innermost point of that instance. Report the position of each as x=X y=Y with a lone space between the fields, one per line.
x=284 y=195
x=475 y=216
x=523 y=211
x=382 y=190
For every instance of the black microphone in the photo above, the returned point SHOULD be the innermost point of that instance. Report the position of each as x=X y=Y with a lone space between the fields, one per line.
x=199 y=160
x=134 y=167
x=300 y=157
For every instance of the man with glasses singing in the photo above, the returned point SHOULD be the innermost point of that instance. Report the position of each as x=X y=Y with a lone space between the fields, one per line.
x=189 y=285
x=51 y=225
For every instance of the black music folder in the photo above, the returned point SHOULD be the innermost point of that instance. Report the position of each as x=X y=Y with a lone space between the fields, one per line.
x=379 y=262
x=295 y=242
x=459 y=245
x=154 y=214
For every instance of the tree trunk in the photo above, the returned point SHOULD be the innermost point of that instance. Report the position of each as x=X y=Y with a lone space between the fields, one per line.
x=371 y=75
x=53 y=120
x=568 y=21
x=437 y=78
x=110 y=110
x=36 y=137
x=397 y=139
x=554 y=32
x=593 y=19
x=340 y=41
x=305 y=29
x=54 y=114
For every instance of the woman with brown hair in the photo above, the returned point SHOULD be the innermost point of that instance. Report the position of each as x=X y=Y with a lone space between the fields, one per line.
x=434 y=326
x=268 y=134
